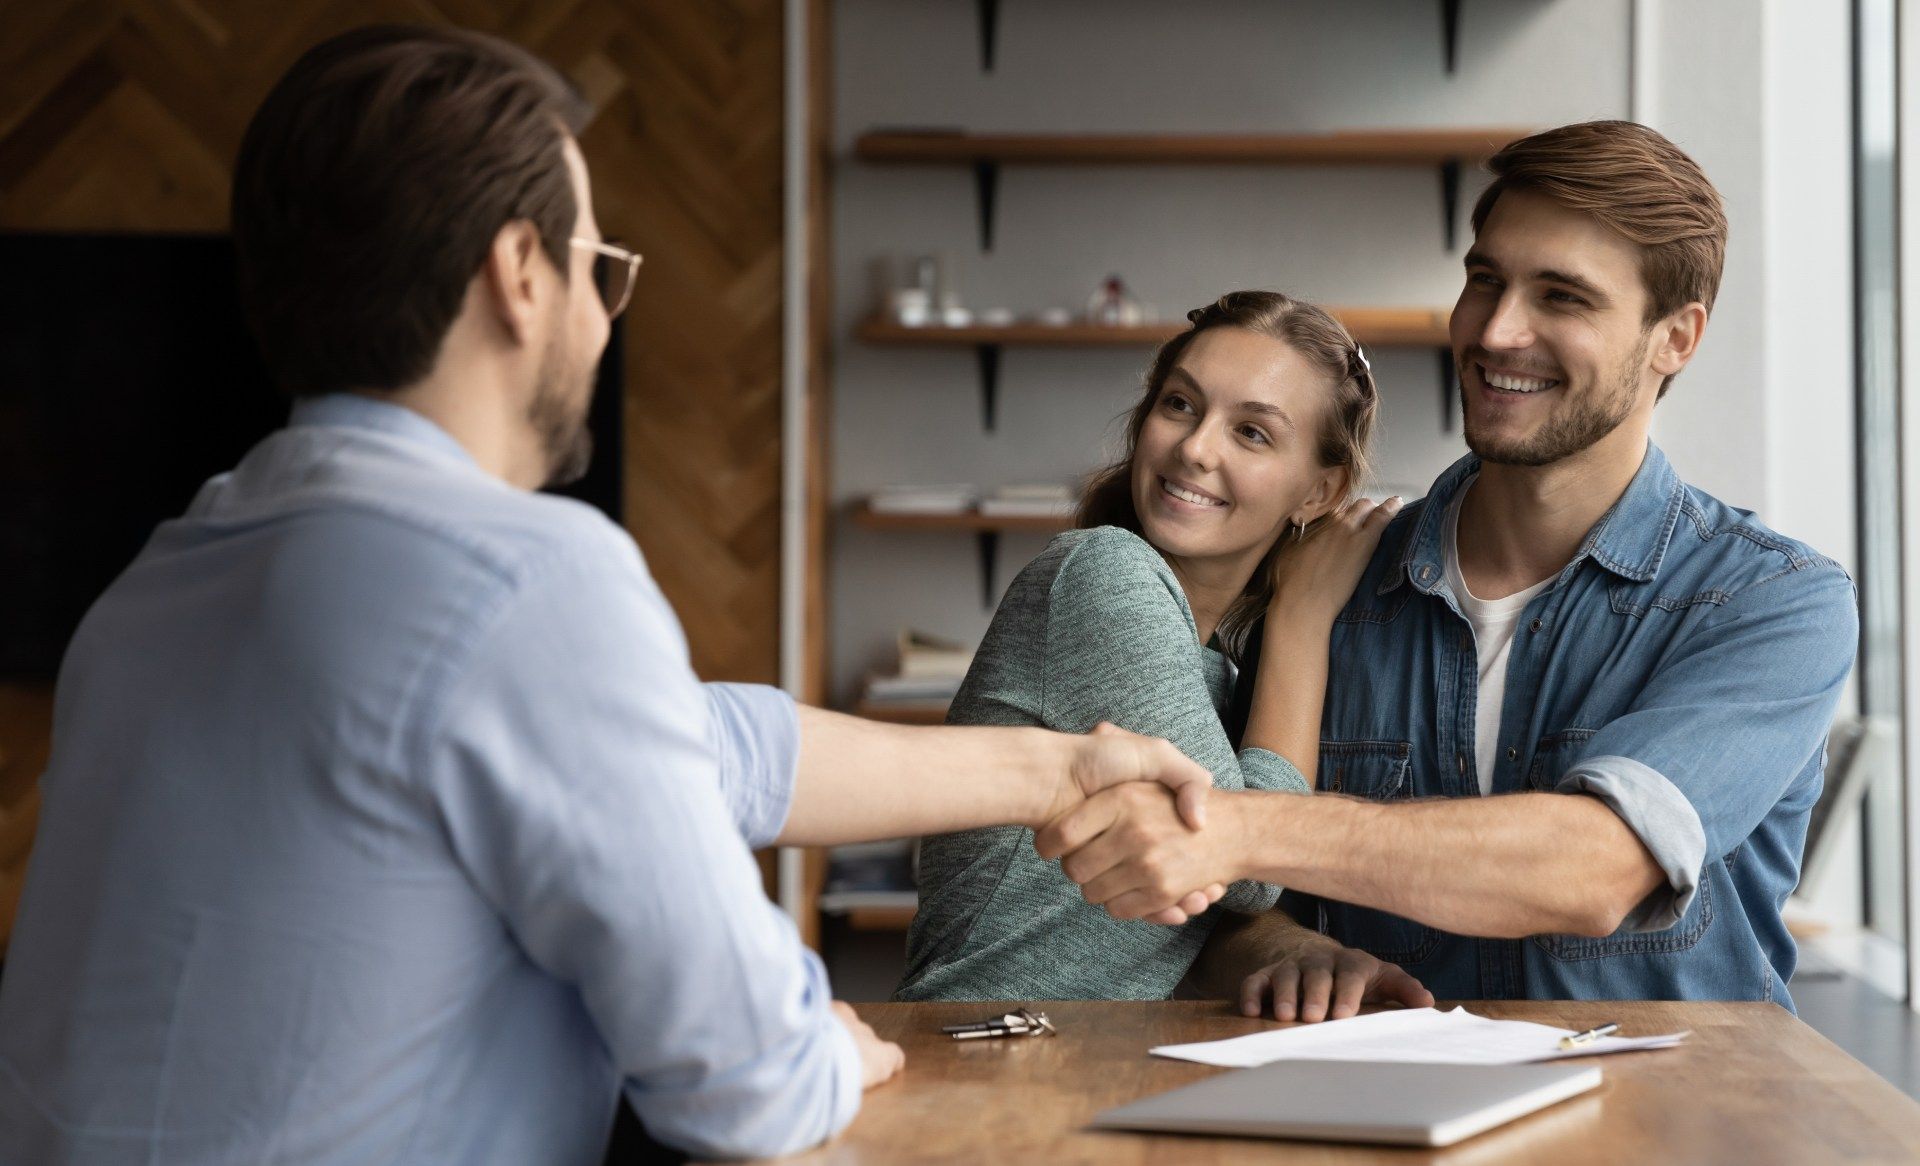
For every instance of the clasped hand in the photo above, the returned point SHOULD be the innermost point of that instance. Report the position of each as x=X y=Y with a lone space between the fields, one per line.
x=1133 y=852
x=1131 y=828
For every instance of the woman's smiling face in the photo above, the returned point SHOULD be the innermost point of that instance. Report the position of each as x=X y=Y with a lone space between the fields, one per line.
x=1228 y=457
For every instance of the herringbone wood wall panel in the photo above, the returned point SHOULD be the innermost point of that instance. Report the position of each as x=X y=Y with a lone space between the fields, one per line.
x=126 y=114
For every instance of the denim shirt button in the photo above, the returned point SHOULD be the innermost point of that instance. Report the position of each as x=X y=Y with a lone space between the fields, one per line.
x=1512 y=753
x=1535 y=626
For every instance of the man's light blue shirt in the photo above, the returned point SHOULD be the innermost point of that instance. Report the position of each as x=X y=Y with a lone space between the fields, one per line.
x=387 y=822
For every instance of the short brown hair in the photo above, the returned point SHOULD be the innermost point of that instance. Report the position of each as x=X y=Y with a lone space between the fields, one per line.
x=1639 y=185
x=371 y=184
x=1346 y=429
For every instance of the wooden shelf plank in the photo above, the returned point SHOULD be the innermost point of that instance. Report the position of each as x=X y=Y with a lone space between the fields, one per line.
x=1418 y=327
x=864 y=515
x=1349 y=147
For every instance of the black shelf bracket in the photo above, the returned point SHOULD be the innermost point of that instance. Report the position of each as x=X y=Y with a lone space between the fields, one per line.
x=1449 y=31
x=989 y=357
x=986 y=188
x=989 y=13
x=1450 y=198
x=1449 y=389
x=989 y=543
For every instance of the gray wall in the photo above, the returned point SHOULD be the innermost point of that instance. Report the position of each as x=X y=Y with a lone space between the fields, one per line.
x=1179 y=236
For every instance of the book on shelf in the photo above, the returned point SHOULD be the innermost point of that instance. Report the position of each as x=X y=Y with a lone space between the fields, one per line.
x=924 y=656
x=953 y=499
x=840 y=902
x=869 y=874
x=1029 y=500
x=912 y=689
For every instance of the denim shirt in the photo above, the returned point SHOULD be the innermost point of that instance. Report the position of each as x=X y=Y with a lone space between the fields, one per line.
x=1683 y=668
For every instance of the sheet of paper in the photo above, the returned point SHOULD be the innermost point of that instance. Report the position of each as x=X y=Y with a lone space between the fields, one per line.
x=1409 y=1036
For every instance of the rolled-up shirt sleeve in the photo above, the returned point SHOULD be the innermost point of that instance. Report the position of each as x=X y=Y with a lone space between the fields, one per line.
x=578 y=769
x=1665 y=822
x=755 y=733
x=1719 y=733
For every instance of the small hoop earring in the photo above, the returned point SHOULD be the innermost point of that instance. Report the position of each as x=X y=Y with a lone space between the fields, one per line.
x=1299 y=531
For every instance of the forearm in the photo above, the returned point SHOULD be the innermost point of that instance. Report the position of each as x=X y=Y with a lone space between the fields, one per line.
x=1506 y=867
x=1290 y=687
x=861 y=779
x=1240 y=945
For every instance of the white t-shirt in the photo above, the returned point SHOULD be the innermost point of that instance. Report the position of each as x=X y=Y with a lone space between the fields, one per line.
x=1493 y=623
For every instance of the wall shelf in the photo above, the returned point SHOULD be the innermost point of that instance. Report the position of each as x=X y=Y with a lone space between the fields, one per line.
x=986 y=529
x=987 y=14
x=1412 y=147
x=1423 y=327
x=1447 y=149
x=1383 y=327
x=969 y=520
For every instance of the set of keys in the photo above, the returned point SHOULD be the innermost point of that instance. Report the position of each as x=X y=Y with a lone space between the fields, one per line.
x=1018 y=1023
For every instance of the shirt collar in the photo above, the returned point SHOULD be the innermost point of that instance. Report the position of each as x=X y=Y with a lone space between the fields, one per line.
x=1630 y=539
x=354 y=411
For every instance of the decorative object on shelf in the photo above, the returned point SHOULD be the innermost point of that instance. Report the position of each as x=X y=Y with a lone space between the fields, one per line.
x=1381 y=327
x=1113 y=306
x=932 y=298
x=1446 y=149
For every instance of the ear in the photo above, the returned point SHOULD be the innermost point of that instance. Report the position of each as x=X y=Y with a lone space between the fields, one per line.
x=1676 y=338
x=510 y=279
x=1329 y=487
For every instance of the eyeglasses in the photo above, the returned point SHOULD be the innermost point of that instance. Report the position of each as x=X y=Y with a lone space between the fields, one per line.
x=614 y=269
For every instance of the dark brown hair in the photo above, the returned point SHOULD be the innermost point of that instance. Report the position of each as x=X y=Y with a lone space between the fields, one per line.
x=1346 y=425
x=371 y=184
x=1637 y=184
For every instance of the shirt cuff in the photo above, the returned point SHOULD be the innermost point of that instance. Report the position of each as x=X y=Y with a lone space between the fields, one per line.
x=1665 y=822
x=755 y=734
x=849 y=1080
x=1263 y=769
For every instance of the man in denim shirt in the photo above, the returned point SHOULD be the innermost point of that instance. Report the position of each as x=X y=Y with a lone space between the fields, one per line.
x=1561 y=616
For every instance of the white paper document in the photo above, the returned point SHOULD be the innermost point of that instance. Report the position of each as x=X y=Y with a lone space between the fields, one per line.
x=1410 y=1036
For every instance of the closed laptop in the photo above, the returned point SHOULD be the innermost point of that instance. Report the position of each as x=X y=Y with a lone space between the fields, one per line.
x=1356 y=1101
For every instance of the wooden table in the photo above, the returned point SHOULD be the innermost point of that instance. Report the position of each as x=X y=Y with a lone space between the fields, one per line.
x=1752 y=1086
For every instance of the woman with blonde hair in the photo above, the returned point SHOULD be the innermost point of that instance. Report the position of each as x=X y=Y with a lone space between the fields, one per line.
x=1234 y=505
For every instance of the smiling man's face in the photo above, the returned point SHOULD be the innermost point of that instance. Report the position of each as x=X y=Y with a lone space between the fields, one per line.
x=1549 y=335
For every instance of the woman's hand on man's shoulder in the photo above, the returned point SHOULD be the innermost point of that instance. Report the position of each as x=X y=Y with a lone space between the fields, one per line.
x=1317 y=575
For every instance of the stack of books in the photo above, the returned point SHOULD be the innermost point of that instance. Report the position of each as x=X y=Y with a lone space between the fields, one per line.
x=868 y=875
x=929 y=673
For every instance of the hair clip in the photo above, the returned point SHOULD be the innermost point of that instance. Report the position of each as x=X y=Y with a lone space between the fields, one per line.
x=1360 y=354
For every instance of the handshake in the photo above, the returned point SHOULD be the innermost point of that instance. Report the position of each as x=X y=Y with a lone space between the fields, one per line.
x=1130 y=826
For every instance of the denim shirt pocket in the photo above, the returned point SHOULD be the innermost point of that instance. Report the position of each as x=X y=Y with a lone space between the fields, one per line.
x=1377 y=771
x=1556 y=754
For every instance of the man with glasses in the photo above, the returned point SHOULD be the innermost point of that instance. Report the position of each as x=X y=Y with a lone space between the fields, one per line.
x=386 y=820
